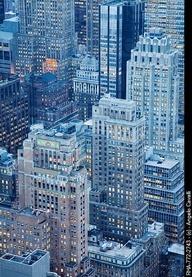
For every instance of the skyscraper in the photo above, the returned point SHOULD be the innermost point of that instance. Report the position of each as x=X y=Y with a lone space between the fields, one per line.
x=46 y=37
x=80 y=21
x=120 y=24
x=93 y=27
x=152 y=82
x=86 y=86
x=52 y=162
x=14 y=109
x=169 y=15
x=117 y=196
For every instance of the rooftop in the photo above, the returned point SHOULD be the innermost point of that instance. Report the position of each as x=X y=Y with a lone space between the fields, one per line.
x=12 y=19
x=162 y=163
x=113 y=249
x=6 y=36
x=176 y=248
x=28 y=259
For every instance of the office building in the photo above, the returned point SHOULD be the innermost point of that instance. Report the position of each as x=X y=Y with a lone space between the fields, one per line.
x=23 y=230
x=14 y=109
x=171 y=19
x=54 y=158
x=152 y=82
x=121 y=23
x=117 y=197
x=135 y=258
x=110 y=258
x=2 y=11
x=164 y=192
x=7 y=178
x=49 y=100
x=93 y=27
x=32 y=264
x=80 y=21
x=86 y=86
x=7 y=53
x=46 y=45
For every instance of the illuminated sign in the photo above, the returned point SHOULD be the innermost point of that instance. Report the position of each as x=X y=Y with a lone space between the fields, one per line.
x=48 y=143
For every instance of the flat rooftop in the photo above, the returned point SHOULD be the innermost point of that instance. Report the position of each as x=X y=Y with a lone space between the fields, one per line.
x=118 y=252
x=168 y=164
x=176 y=248
x=5 y=36
x=28 y=259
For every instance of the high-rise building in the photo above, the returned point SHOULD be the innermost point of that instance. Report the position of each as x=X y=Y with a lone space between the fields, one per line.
x=121 y=23
x=46 y=37
x=7 y=178
x=80 y=21
x=14 y=113
x=86 y=86
x=2 y=11
x=164 y=192
x=93 y=27
x=49 y=100
x=32 y=264
x=152 y=82
x=52 y=162
x=169 y=15
x=117 y=196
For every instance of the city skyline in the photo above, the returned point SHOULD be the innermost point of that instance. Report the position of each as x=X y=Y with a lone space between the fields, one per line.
x=92 y=138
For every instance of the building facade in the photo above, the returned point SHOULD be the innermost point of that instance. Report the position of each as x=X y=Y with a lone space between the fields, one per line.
x=45 y=45
x=14 y=113
x=23 y=230
x=171 y=19
x=93 y=27
x=7 y=178
x=164 y=192
x=121 y=23
x=49 y=100
x=86 y=87
x=2 y=11
x=117 y=195
x=80 y=21
x=7 y=53
x=54 y=158
x=152 y=82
